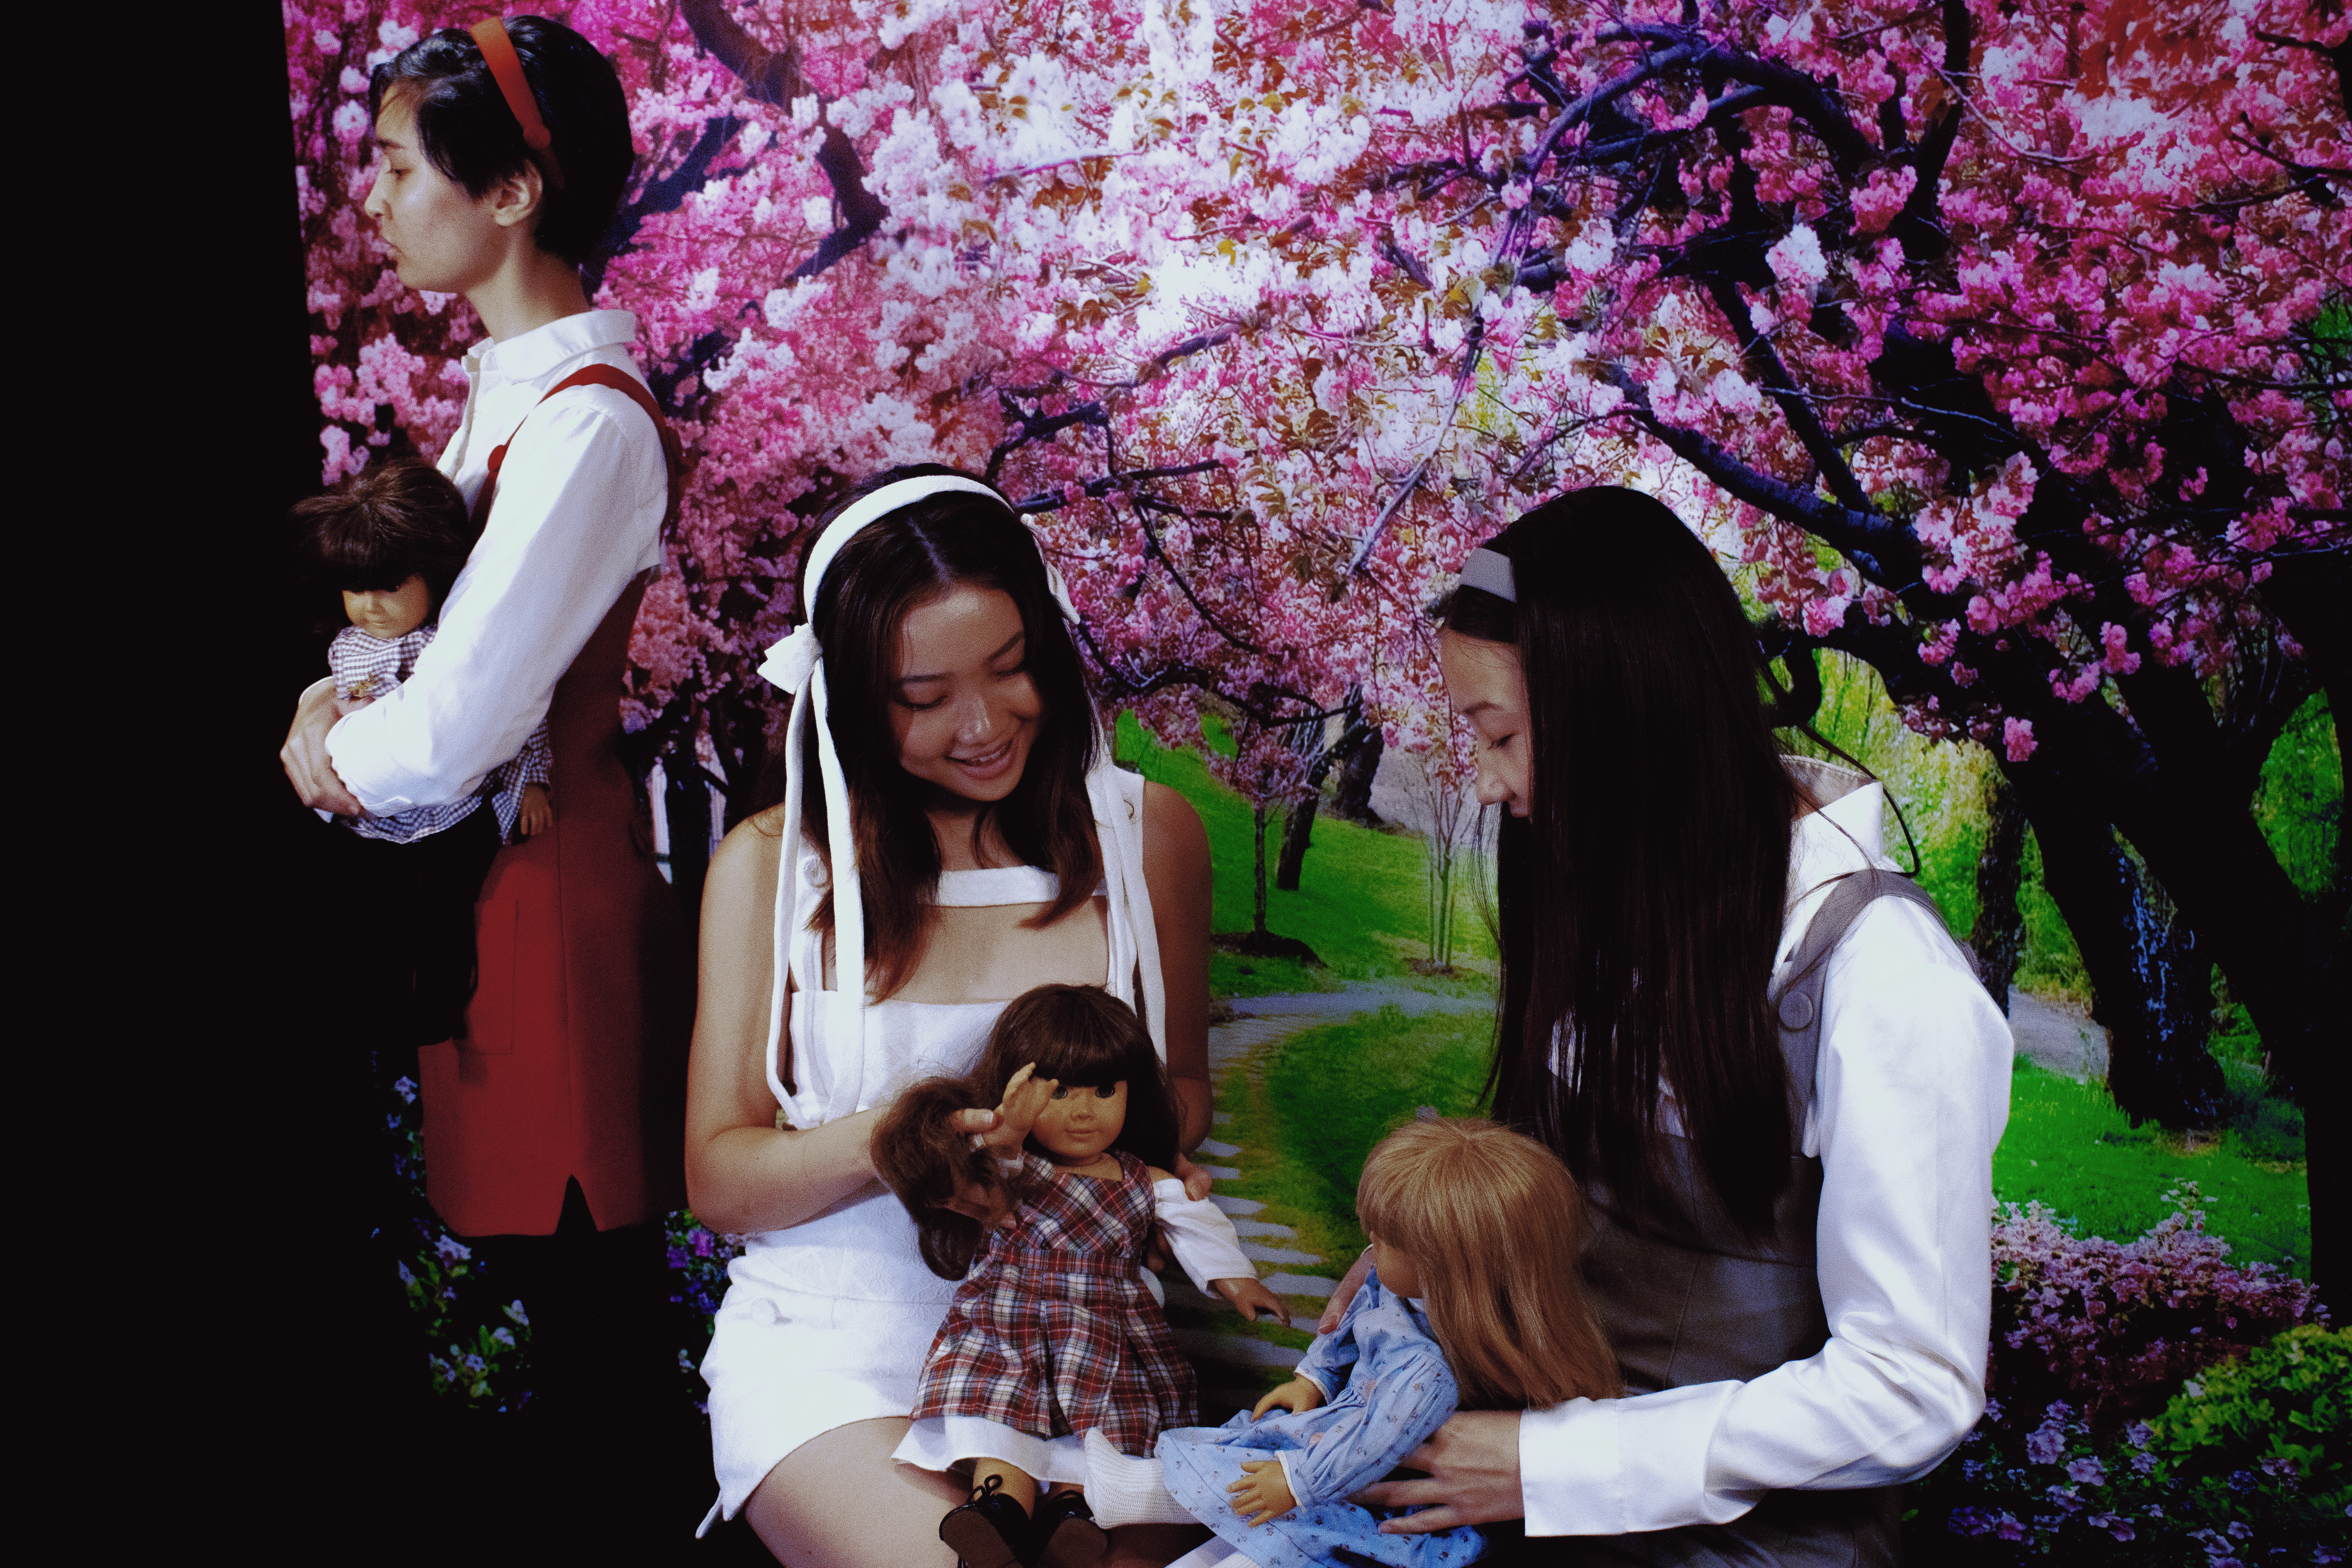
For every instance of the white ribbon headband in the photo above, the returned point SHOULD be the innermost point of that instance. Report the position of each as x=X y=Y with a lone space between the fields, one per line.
x=1489 y=573
x=797 y=665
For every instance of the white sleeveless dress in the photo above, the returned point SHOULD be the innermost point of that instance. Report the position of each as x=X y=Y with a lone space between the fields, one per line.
x=827 y=1322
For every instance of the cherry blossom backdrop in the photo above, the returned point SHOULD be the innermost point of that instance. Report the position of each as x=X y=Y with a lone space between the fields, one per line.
x=2006 y=343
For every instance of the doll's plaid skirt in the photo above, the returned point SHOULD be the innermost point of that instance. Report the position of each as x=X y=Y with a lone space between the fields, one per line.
x=1053 y=1332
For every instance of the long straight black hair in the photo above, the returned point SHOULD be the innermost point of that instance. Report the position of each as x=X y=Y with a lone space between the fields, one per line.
x=1640 y=901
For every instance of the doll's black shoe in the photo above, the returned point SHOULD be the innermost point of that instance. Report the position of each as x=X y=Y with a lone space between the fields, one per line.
x=984 y=1532
x=1067 y=1535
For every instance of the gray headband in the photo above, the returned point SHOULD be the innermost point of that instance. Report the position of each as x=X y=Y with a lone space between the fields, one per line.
x=1489 y=573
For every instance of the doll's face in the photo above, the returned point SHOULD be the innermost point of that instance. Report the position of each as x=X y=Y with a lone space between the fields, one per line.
x=1398 y=1272
x=390 y=615
x=962 y=706
x=1078 y=1124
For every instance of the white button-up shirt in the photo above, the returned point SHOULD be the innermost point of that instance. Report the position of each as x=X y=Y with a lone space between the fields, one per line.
x=1911 y=1092
x=578 y=514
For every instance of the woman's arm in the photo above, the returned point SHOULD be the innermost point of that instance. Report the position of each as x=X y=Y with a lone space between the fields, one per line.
x=1176 y=873
x=578 y=513
x=1912 y=1094
x=742 y=1173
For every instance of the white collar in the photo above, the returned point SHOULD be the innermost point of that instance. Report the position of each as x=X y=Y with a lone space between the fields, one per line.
x=532 y=355
x=1845 y=834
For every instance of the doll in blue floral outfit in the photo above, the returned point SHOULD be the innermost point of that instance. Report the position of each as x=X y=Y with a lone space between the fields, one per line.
x=1472 y=1299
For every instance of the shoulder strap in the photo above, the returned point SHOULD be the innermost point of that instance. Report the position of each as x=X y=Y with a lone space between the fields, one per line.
x=1797 y=1003
x=620 y=381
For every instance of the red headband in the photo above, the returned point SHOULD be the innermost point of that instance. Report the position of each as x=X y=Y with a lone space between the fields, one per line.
x=505 y=69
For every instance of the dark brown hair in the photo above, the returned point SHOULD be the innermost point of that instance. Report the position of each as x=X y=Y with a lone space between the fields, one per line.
x=1494 y=1225
x=902 y=560
x=466 y=130
x=390 y=522
x=1639 y=915
x=1080 y=1035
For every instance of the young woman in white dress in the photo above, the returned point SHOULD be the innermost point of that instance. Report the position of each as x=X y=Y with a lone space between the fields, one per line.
x=945 y=773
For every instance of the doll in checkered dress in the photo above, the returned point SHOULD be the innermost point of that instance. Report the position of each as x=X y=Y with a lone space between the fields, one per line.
x=1053 y=1333
x=393 y=539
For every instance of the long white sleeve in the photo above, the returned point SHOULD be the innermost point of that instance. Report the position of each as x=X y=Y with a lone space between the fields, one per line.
x=1913 y=1093
x=1201 y=1235
x=577 y=515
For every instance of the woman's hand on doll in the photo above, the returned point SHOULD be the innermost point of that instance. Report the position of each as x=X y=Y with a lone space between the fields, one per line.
x=1473 y=1465
x=1299 y=1394
x=1344 y=1292
x=537 y=814
x=304 y=755
x=1262 y=1494
x=1250 y=1297
x=1195 y=1180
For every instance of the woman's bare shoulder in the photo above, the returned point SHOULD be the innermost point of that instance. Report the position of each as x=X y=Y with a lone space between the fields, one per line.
x=1173 y=831
x=747 y=858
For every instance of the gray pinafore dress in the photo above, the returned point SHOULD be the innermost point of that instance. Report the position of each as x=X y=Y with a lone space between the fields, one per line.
x=1696 y=1301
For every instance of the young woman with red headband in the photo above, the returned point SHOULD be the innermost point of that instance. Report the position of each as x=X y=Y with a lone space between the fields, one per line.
x=502 y=155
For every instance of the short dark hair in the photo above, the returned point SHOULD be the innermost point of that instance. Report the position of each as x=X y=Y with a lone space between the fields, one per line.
x=466 y=130
x=390 y=522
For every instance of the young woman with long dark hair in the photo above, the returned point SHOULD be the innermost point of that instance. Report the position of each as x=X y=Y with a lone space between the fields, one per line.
x=950 y=834
x=1772 y=1071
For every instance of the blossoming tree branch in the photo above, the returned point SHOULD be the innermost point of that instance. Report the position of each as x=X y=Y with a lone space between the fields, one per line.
x=2006 y=342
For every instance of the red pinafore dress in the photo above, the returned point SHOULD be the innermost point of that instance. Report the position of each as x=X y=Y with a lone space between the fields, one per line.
x=572 y=1062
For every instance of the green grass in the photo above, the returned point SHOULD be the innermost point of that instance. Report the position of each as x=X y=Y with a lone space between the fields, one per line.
x=1332 y=1092
x=2068 y=1146
x=1363 y=898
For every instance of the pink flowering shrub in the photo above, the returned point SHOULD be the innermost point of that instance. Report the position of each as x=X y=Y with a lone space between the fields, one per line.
x=2112 y=1329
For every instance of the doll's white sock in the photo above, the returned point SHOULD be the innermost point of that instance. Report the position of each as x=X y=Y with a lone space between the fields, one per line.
x=1122 y=1490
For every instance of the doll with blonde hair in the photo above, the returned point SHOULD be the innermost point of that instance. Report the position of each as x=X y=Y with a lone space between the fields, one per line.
x=1473 y=1301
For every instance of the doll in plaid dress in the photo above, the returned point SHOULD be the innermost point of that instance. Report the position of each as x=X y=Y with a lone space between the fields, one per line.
x=1053 y=1333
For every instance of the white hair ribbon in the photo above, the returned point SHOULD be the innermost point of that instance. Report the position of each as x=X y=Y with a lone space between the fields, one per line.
x=1489 y=571
x=796 y=665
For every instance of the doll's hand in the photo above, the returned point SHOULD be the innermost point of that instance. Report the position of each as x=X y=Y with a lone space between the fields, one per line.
x=537 y=814
x=1026 y=1099
x=1195 y=1180
x=1250 y=1297
x=1343 y=1293
x=1262 y=1494
x=1296 y=1395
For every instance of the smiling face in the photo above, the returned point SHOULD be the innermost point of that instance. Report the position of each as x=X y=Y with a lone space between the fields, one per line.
x=1078 y=1124
x=963 y=707
x=1489 y=692
x=441 y=237
x=391 y=615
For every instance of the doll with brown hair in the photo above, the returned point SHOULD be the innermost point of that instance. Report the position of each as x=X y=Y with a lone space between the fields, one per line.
x=1472 y=1300
x=1052 y=1336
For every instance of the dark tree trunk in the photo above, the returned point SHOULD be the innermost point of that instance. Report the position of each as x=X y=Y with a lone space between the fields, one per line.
x=1257 y=843
x=1998 y=936
x=685 y=808
x=2147 y=968
x=1352 y=797
x=1297 y=829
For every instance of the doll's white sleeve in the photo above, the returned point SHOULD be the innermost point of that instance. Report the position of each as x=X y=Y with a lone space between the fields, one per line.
x=1201 y=1238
